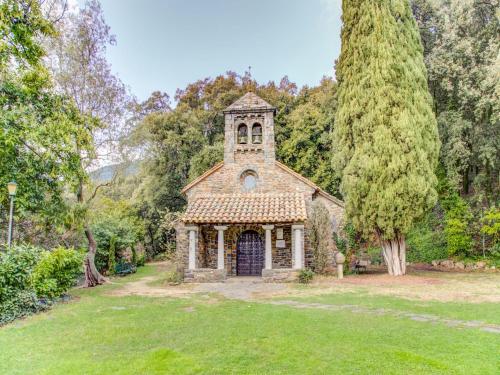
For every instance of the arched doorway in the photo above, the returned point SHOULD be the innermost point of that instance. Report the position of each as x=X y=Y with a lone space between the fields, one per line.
x=250 y=256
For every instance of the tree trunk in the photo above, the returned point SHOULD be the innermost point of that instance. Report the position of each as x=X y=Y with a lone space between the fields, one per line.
x=394 y=251
x=92 y=275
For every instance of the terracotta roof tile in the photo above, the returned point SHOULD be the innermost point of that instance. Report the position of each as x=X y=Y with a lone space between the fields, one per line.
x=246 y=208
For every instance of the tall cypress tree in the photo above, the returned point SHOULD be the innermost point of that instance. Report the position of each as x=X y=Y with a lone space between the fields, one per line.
x=385 y=137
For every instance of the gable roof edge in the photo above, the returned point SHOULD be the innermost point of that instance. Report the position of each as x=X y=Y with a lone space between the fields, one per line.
x=202 y=177
x=250 y=102
x=308 y=182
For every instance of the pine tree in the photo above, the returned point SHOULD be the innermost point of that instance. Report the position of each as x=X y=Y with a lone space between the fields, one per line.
x=385 y=138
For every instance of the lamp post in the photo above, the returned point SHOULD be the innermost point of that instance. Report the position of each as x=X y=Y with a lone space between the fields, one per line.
x=11 y=187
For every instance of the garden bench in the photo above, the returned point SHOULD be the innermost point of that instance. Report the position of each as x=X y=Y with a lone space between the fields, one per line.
x=361 y=265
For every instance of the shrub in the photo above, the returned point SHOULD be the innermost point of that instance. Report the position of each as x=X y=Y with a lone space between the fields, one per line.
x=174 y=277
x=16 y=265
x=491 y=228
x=458 y=216
x=161 y=257
x=109 y=229
x=115 y=219
x=457 y=237
x=141 y=260
x=17 y=296
x=112 y=256
x=305 y=276
x=140 y=253
x=134 y=255
x=321 y=236
x=56 y=272
x=426 y=241
x=22 y=303
x=28 y=273
x=375 y=254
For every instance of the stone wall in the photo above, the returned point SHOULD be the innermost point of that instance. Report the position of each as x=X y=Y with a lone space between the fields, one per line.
x=270 y=178
x=207 y=246
x=284 y=275
x=336 y=212
x=207 y=255
x=204 y=275
x=182 y=245
x=232 y=122
x=282 y=257
x=450 y=264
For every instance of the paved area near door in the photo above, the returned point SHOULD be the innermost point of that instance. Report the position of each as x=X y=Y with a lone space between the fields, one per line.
x=243 y=288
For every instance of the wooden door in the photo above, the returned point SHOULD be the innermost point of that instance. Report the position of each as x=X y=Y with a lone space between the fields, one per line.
x=250 y=260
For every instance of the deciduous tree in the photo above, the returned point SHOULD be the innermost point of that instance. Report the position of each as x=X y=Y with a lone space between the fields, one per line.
x=38 y=127
x=308 y=145
x=78 y=62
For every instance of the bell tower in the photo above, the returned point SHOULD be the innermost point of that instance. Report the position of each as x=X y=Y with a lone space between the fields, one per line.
x=249 y=130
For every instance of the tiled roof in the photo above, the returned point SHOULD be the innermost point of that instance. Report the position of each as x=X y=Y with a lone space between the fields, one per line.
x=246 y=208
x=249 y=101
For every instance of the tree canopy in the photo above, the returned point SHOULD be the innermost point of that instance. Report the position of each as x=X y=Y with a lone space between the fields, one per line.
x=386 y=139
x=39 y=127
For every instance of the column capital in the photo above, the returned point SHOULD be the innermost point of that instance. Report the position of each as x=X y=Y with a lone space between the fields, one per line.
x=220 y=227
x=297 y=226
x=193 y=228
x=268 y=227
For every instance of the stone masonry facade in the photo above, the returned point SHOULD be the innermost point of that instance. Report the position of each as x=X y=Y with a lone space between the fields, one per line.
x=255 y=157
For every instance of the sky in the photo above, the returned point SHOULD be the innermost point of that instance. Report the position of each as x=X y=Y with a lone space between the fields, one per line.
x=167 y=44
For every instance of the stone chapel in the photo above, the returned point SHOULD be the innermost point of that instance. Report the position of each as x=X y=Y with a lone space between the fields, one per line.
x=247 y=216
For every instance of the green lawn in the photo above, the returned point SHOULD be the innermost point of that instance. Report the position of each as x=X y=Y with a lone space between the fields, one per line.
x=101 y=334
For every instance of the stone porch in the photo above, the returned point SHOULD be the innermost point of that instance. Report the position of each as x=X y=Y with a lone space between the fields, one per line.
x=212 y=253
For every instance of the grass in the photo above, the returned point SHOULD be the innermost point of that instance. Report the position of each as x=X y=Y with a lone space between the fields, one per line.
x=485 y=312
x=101 y=334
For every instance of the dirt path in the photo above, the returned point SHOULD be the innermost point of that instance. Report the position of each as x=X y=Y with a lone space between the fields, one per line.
x=246 y=289
x=143 y=287
x=422 y=286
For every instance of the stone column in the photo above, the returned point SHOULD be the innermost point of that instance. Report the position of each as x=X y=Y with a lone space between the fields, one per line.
x=193 y=244
x=269 y=247
x=298 y=252
x=220 y=245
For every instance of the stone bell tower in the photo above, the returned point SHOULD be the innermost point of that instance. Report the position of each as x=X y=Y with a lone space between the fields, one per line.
x=249 y=131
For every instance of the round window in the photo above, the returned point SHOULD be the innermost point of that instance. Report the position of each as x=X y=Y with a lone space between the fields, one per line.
x=249 y=180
